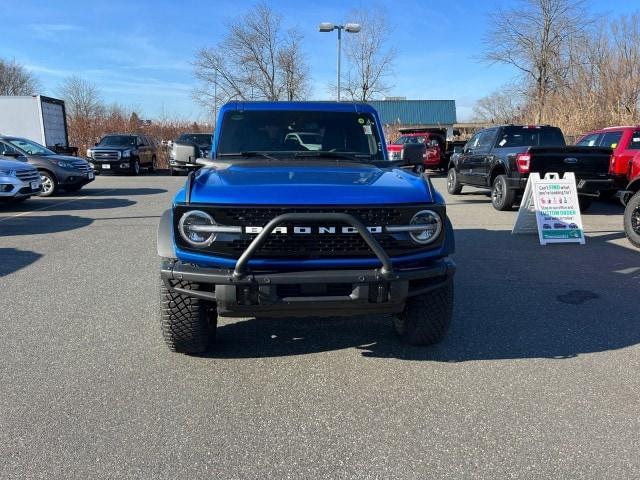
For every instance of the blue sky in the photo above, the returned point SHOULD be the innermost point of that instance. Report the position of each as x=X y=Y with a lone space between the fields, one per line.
x=138 y=53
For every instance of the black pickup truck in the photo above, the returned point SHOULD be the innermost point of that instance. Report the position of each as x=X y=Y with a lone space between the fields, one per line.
x=501 y=158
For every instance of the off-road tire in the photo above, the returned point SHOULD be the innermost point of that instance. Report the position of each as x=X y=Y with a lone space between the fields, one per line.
x=426 y=318
x=584 y=202
x=453 y=185
x=502 y=197
x=188 y=323
x=632 y=220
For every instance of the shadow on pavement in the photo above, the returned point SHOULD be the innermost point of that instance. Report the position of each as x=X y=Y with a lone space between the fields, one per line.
x=55 y=205
x=32 y=225
x=12 y=260
x=112 y=192
x=514 y=299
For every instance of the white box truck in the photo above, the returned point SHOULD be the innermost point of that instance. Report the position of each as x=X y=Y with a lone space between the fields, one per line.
x=38 y=118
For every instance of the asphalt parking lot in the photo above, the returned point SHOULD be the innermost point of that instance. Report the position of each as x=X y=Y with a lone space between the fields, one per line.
x=538 y=378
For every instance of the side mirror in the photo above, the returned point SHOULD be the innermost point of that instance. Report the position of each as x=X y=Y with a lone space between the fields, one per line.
x=412 y=154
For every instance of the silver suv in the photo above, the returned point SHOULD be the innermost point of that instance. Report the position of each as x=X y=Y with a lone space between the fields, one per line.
x=18 y=180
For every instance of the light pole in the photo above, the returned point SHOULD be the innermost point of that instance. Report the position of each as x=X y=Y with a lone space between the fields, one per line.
x=329 y=27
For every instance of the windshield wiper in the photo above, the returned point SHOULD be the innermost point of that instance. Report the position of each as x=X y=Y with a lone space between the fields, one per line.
x=248 y=154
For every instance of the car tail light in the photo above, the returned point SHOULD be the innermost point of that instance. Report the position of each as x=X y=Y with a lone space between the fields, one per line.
x=523 y=162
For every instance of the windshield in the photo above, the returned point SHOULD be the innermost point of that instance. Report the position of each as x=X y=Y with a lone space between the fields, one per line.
x=117 y=141
x=286 y=132
x=200 y=139
x=530 y=137
x=409 y=139
x=30 y=148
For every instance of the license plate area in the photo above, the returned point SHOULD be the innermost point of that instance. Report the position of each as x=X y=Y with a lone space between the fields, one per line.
x=106 y=166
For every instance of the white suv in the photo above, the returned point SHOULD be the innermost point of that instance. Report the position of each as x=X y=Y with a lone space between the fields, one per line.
x=18 y=180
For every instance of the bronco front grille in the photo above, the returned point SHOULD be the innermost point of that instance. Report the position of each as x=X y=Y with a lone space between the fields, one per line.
x=313 y=245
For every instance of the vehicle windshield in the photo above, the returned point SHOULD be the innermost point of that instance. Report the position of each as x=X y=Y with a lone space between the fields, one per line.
x=404 y=139
x=117 y=141
x=200 y=139
x=280 y=133
x=30 y=148
x=530 y=137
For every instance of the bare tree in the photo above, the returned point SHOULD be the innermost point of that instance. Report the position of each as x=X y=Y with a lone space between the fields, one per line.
x=81 y=97
x=370 y=58
x=502 y=106
x=537 y=37
x=16 y=79
x=257 y=59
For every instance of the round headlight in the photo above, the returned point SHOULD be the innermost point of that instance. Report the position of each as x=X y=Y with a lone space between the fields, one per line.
x=189 y=230
x=432 y=227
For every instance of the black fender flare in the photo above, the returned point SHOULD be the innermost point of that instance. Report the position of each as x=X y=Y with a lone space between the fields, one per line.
x=449 y=246
x=165 y=245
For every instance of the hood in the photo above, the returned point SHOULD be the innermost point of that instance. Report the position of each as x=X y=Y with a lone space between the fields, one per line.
x=311 y=183
x=6 y=164
x=111 y=149
x=53 y=158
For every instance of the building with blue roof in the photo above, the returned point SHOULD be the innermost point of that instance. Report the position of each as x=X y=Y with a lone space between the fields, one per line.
x=400 y=113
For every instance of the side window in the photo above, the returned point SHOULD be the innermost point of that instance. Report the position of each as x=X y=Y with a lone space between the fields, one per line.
x=589 y=141
x=485 y=141
x=7 y=149
x=141 y=141
x=611 y=139
x=471 y=144
x=634 y=143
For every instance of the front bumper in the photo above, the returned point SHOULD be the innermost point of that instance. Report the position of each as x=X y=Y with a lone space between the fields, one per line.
x=317 y=293
x=182 y=166
x=13 y=187
x=71 y=178
x=587 y=187
x=122 y=165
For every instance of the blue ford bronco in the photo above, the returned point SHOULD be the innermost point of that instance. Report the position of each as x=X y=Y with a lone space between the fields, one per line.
x=320 y=223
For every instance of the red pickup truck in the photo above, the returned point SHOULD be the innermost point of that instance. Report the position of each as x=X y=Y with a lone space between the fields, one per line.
x=625 y=142
x=631 y=199
x=434 y=142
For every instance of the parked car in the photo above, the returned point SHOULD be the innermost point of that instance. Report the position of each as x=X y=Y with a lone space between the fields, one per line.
x=630 y=197
x=39 y=118
x=270 y=229
x=500 y=158
x=18 y=180
x=56 y=171
x=625 y=142
x=437 y=148
x=123 y=153
x=186 y=149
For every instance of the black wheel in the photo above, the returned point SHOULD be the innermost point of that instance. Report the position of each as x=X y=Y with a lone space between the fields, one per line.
x=453 y=185
x=49 y=184
x=188 y=324
x=426 y=318
x=584 y=202
x=632 y=220
x=502 y=197
x=135 y=167
x=152 y=167
x=173 y=172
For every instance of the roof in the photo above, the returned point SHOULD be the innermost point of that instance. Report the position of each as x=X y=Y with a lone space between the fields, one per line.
x=321 y=106
x=416 y=112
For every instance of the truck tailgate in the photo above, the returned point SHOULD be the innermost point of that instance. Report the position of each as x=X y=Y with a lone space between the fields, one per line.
x=584 y=162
